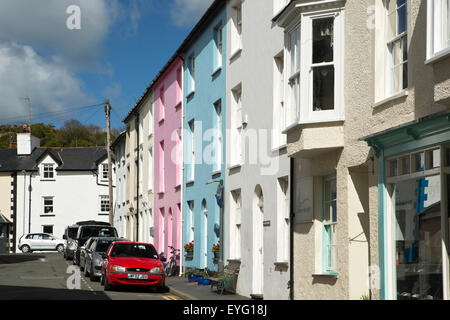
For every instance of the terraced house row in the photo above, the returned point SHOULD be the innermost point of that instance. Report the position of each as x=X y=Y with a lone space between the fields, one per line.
x=311 y=138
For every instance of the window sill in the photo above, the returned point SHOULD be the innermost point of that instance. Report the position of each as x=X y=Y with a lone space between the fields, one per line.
x=216 y=72
x=401 y=94
x=190 y=95
x=177 y=187
x=161 y=121
x=216 y=173
x=178 y=105
x=278 y=148
x=438 y=56
x=190 y=182
x=326 y=274
x=48 y=179
x=236 y=54
x=234 y=166
x=150 y=135
x=103 y=214
x=47 y=215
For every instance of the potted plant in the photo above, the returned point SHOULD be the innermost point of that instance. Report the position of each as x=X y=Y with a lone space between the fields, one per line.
x=189 y=249
x=216 y=250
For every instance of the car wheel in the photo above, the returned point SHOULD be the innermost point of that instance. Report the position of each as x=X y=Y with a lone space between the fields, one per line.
x=107 y=286
x=25 y=249
x=86 y=272
x=60 y=248
x=102 y=280
x=92 y=275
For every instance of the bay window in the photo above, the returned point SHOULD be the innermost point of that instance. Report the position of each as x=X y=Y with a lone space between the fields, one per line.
x=314 y=65
x=293 y=80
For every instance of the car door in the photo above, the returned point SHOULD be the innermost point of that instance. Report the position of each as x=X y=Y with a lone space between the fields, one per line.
x=34 y=241
x=47 y=242
x=89 y=251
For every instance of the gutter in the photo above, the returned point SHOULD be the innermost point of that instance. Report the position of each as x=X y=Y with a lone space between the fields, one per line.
x=291 y=236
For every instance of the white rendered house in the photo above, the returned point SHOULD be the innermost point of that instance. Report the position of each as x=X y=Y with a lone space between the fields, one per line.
x=57 y=187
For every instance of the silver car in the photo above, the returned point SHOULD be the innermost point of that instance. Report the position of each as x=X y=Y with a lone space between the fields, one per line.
x=40 y=242
x=93 y=258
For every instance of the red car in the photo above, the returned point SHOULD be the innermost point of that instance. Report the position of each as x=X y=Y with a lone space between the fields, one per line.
x=132 y=263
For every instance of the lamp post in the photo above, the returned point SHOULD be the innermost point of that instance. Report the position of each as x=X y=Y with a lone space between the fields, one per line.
x=219 y=198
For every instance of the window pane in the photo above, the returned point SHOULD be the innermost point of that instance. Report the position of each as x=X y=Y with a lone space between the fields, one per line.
x=418 y=239
x=398 y=78
x=323 y=88
x=323 y=40
x=401 y=27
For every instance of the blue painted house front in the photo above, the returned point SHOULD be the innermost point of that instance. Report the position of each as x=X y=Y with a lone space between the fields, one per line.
x=204 y=134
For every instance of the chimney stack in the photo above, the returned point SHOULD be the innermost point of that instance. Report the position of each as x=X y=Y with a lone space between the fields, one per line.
x=26 y=143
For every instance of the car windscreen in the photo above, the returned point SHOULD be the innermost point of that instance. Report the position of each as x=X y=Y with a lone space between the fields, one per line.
x=103 y=245
x=72 y=232
x=88 y=232
x=134 y=250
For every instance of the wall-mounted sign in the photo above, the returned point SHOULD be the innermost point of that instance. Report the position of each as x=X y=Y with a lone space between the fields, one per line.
x=303 y=200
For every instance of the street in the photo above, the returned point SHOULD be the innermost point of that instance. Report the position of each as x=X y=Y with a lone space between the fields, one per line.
x=47 y=276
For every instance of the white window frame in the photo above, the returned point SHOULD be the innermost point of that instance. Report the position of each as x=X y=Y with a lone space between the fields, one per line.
x=438 y=23
x=150 y=169
x=218 y=40
x=52 y=206
x=102 y=199
x=279 y=108
x=104 y=171
x=191 y=220
x=191 y=69
x=307 y=115
x=45 y=171
x=219 y=143
x=236 y=126
x=330 y=227
x=191 y=125
x=236 y=28
x=390 y=43
x=292 y=76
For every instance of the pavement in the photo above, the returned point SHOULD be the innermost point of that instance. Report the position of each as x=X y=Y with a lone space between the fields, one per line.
x=180 y=286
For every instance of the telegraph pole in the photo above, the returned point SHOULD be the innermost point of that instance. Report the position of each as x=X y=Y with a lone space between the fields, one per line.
x=108 y=150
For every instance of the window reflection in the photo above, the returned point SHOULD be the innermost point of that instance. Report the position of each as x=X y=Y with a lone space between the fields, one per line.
x=418 y=239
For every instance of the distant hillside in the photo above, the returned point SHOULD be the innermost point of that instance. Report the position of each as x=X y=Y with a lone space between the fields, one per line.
x=72 y=134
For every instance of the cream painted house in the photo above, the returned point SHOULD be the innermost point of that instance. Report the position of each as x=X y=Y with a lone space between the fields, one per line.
x=369 y=85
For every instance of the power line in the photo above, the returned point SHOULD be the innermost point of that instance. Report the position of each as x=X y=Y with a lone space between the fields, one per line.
x=52 y=114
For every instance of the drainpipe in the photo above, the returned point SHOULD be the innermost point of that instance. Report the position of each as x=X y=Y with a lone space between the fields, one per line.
x=291 y=226
x=137 y=176
x=30 y=188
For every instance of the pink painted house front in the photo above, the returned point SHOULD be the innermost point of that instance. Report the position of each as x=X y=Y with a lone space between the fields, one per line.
x=167 y=110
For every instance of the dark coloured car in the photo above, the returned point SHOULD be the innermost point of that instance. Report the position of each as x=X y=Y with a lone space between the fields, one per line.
x=87 y=231
x=83 y=252
x=70 y=236
x=94 y=256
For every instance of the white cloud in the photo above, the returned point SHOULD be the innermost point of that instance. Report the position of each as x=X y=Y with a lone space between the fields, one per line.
x=186 y=12
x=50 y=84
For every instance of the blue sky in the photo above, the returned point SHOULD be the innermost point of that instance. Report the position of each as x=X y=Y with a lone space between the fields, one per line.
x=120 y=47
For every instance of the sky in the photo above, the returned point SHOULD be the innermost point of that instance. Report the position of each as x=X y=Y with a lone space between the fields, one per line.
x=69 y=56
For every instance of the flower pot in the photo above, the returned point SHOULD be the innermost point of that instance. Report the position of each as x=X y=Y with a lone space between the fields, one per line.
x=200 y=279
x=216 y=255
x=189 y=255
x=206 y=282
x=192 y=278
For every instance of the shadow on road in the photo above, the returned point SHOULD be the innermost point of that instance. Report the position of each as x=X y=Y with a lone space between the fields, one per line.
x=18 y=258
x=139 y=289
x=37 y=293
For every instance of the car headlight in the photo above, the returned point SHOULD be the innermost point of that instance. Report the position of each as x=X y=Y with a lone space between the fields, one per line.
x=157 y=270
x=118 y=268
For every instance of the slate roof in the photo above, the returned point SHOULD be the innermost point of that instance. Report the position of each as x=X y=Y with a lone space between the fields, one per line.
x=69 y=159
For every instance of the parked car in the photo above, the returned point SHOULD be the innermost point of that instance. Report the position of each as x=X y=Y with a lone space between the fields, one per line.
x=94 y=252
x=70 y=236
x=83 y=252
x=87 y=231
x=40 y=242
x=69 y=241
x=132 y=263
